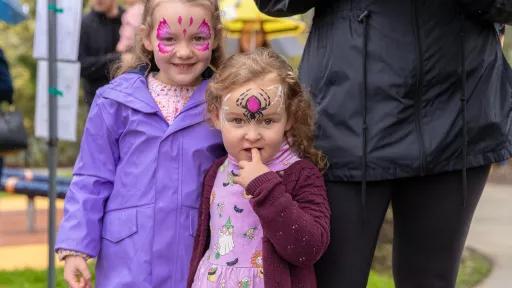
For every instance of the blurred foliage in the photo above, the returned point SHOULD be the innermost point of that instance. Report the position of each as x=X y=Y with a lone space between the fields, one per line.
x=17 y=43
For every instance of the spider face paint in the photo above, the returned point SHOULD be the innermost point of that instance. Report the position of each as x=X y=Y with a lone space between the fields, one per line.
x=253 y=117
x=164 y=37
x=253 y=104
x=205 y=34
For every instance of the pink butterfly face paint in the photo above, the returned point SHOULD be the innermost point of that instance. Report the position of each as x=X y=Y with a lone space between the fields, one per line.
x=205 y=34
x=180 y=22
x=164 y=37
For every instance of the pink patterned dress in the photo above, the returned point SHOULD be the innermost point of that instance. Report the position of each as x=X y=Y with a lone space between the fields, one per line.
x=234 y=258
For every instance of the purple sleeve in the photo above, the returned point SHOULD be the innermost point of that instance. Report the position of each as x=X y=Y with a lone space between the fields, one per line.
x=92 y=184
x=297 y=227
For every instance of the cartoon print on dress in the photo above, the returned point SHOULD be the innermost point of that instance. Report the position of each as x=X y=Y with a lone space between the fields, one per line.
x=231 y=179
x=238 y=210
x=225 y=243
x=232 y=263
x=250 y=233
x=257 y=262
x=163 y=33
x=223 y=166
x=220 y=209
x=212 y=274
x=244 y=283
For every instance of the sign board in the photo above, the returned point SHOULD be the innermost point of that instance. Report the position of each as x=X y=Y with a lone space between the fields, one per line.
x=69 y=17
x=68 y=83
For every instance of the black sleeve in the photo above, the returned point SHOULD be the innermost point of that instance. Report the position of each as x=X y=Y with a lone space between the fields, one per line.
x=6 y=89
x=93 y=67
x=499 y=11
x=284 y=8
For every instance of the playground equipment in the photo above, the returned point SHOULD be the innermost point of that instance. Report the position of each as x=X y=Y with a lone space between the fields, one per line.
x=26 y=182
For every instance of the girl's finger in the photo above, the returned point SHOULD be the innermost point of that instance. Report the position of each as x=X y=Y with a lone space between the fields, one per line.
x=84 y=270
x=242 y=164
x=256 y=156
x=71 y=279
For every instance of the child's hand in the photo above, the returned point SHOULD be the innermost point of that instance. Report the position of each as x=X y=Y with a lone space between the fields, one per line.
x=250 y=170
x=76 y=272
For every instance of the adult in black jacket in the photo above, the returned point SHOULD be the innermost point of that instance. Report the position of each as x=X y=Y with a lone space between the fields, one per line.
x=6 y=90
x=99 y=35
x=414 y=104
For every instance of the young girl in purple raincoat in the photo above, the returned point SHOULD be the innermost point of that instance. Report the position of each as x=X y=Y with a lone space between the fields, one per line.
x=133 y=202
x=264 y=215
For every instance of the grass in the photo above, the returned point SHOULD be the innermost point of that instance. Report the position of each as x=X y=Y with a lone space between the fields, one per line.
x=473 y=269
x=380 y=281
x=28 y=278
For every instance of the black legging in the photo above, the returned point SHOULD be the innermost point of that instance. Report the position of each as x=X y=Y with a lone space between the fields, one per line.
x=430 y=227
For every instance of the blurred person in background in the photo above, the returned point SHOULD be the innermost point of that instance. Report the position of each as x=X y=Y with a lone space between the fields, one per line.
x=130 y=22
x=99 y=36
x=6 y=90
x=252 y=36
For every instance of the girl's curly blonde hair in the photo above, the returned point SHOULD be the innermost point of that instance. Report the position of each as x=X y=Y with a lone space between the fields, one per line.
x=242 y=68
x=144 y=57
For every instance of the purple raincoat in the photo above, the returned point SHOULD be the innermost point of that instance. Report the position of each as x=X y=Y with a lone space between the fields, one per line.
x=134 y=198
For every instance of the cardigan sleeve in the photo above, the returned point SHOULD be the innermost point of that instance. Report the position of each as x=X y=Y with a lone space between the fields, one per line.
x=297 y=223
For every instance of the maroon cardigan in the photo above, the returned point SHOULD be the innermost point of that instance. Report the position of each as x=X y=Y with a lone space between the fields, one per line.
x=294 y=213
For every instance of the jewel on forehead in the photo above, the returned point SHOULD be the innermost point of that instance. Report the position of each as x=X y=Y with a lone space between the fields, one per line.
x=253 y=104
x=179 y=20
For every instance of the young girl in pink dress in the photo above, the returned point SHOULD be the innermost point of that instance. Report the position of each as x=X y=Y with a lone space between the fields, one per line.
x=264 y=215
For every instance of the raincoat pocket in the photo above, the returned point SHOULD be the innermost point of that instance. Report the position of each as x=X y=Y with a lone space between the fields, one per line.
x=119 y=224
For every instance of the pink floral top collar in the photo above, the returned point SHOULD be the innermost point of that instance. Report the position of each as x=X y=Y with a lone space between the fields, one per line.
x=170 y=99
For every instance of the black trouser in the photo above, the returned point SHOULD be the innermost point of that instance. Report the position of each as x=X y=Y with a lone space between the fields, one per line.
x=431 y=223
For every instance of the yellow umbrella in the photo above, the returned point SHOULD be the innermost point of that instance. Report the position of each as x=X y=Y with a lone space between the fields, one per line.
x=237 y=13
x=242 y=19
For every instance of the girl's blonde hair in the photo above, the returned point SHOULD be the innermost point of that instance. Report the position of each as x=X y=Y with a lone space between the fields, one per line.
x=144 y=57
x=239 y=69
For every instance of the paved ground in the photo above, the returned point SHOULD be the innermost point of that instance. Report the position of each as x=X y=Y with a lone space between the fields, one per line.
x=491 y=233
x=20 y=248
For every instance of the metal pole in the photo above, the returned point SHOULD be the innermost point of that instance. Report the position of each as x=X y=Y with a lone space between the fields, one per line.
x=53 y=140
x=31 y=213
